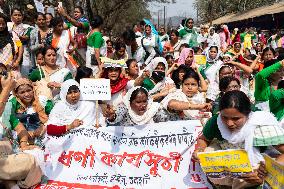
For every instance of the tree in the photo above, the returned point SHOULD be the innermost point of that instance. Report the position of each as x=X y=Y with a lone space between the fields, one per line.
x=117 y=14
x=212 y=9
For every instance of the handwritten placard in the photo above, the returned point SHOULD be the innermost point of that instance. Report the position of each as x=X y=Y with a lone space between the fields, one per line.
x=200 y=59
x=275 y=174
x=50 y=10
x=225 y=162
x=95 y=89
x=39 y=6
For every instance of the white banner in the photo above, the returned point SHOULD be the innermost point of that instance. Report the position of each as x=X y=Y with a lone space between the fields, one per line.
x=151 y=156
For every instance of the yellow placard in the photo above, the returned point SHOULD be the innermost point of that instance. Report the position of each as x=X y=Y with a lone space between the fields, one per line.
x=225 y=162
x=200 y=59
x=108 y=62
x=275 y=175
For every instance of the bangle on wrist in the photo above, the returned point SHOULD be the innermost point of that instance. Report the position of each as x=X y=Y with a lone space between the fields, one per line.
x=68 y=127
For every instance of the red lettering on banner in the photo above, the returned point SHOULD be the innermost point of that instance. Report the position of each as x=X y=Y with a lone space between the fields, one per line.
x=79 y=157
x=110 y=159
x=166 y=164
x=137 y=157
x=65 y=158
x=195 y=178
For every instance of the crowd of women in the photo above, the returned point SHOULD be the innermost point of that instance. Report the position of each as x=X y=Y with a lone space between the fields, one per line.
x=238 y=94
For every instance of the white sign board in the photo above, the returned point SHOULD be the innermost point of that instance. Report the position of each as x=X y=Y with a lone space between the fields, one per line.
x=39 y=6
x=150 y=156
x=50 y=10
x=95 y=89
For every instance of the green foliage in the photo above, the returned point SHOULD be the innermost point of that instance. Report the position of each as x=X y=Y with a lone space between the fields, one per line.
x=117 y=14
x=212 y=9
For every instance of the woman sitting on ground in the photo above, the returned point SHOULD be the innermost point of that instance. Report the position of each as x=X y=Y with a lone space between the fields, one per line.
x=237 y=127
x=30 y=110
x=138 y=109
x=71 y=112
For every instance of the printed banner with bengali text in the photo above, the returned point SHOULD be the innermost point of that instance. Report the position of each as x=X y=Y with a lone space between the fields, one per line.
x=151 y=156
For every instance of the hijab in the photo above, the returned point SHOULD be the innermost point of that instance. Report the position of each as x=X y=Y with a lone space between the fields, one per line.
x=64 y=113
x=147 y=117
x=154 y=63
x=189 y=30
x=212 y=60
x=151 y=68
x=184 y=54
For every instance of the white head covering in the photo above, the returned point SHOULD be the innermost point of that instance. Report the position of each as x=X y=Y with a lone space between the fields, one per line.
x=147 y=117
x=64 y=113
x=154 y=63
x=246 y=133
x=151 y=67
x=64 y=89
x=208 y=58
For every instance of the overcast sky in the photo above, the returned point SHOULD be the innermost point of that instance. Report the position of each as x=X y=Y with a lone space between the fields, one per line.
x=180 y=8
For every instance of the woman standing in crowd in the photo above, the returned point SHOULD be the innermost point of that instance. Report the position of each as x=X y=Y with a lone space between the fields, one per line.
x=80 y=26
x=62 y=41
x=151 y=44
x=95 y=46
x=172 y=47
x=213 y=64
x=11 y=48
x=49 y=77
x=23 y=31
x=213 y=38
x=188 y=34
x=266 y=55
x=38 y=36
x=48 y=17
x=134 y=48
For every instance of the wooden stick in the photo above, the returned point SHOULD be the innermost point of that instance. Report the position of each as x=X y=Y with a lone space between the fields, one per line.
x=97 y=114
